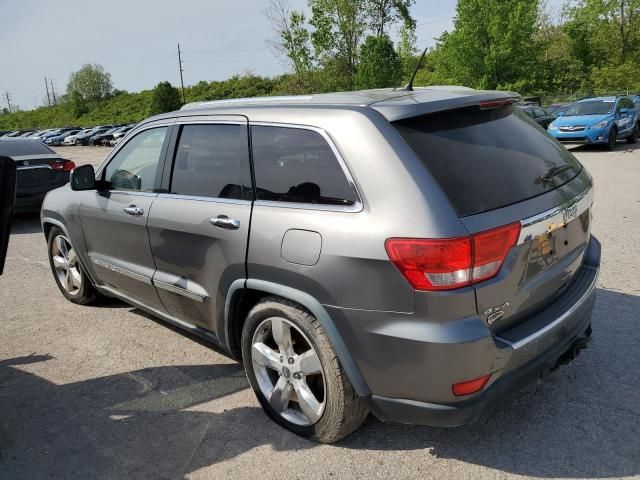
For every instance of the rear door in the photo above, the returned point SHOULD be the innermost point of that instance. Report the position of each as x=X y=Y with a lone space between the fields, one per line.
x=490 y=164
x=199 y=229
x=114 y=220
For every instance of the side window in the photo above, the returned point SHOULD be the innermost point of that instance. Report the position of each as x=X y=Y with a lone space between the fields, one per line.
x=134 y=167
x=212 y=161
x=297 y=165
x=628 y=104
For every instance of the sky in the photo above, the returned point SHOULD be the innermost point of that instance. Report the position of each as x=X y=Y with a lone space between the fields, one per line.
x=136 y=41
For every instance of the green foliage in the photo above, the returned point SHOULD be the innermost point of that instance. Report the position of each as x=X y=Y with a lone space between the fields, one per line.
x=623 y=78
x=491 y=45
x=384 y=13
x=379 y=64
x=164 y=98
x=91 y=82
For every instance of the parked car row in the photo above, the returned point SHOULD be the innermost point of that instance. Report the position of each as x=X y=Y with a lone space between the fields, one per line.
x=591 y=121
x=106 y=135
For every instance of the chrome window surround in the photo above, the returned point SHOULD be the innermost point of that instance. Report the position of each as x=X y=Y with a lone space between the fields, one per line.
x=553 y=218
x=356 y=207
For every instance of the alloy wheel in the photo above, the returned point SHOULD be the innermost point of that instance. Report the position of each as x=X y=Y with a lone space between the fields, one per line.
x=288 y=371
x=65 y=264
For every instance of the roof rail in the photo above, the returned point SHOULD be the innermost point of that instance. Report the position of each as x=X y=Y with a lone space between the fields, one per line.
x=246 y=101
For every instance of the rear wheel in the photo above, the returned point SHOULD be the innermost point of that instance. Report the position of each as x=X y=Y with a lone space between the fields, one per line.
x=636 y=133
x=67 y=271
x=613 y=138
x=295 y=373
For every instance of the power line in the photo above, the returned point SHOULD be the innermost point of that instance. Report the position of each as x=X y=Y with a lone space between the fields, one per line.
x=181 y=70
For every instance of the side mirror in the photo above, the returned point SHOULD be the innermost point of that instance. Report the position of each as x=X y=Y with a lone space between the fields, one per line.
x=7 y=201
x=83 y=178
x=624 y=110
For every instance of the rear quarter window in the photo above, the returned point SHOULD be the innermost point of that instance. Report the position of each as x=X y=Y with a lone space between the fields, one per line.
x=486 y=159
x=297 y=165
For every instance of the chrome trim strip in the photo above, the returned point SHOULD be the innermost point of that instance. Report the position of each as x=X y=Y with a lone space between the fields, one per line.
x=358 y=206
x=44 y=156
x=180 y=291
x=135 y=193
x=553 y=218
x=34 y=167
x=234 y=201
x=557 y=321
x=120 y=270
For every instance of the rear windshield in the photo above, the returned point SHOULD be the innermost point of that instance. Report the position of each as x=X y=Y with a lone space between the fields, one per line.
x=486 y=159
x=23 y=146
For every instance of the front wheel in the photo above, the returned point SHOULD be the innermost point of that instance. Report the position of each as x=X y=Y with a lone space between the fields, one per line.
x=613 y=138
x=67 y=271
x=295 y=373
x=635 y=134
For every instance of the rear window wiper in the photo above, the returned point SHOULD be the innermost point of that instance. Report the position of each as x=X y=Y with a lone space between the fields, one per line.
x=555 y=171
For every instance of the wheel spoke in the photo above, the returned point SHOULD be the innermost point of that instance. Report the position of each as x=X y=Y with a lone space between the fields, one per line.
x=310 y=363
x=73 y=259
x=308 y=402
x=69 y=281
x=280 y=395
x=281 y=332
x=76 y=278
x=61 y=245
x=59 y=261
x=265 y=356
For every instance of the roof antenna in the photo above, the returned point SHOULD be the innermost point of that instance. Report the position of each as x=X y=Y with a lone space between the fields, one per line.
x=409 y=86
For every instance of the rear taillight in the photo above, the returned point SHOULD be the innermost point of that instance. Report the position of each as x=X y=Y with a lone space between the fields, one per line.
x=446 y=264
x=63 y=166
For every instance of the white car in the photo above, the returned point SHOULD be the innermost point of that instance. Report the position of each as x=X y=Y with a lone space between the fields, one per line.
x=71 y=139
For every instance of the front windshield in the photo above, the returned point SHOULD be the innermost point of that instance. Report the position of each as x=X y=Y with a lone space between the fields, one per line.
x=598 y=107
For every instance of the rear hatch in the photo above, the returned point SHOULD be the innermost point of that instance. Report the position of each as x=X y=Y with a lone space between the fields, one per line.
x=498 y=167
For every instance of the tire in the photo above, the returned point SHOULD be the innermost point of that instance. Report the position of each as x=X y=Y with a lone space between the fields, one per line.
x=65 y=266
x=339 y=410
x=613 y=138
x=635 y=134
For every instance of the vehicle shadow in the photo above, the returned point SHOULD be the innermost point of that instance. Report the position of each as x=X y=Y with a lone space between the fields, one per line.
x=26 y=223
x=152 y=423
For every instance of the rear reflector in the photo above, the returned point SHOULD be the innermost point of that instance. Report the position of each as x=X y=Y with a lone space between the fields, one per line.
x=63 y=166
x=470 y=386
x=446 y=264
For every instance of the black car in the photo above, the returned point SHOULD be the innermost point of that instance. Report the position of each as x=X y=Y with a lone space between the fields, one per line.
x=84 y=139
x=38 y=170
x=558 y=109
x=539 y=114
x=96 y=139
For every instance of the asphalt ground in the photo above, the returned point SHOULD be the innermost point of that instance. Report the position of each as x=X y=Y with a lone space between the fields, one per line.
x=109 y=392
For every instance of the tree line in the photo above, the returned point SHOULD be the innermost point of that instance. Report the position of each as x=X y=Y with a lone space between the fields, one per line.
x=587 y=47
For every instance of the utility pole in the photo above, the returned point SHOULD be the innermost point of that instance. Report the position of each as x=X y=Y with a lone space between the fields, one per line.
x=53 y=93
x=181 y=70
x=6 y=93
x=46 y=85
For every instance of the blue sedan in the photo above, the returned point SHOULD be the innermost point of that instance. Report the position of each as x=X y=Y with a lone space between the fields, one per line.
x=600 y=120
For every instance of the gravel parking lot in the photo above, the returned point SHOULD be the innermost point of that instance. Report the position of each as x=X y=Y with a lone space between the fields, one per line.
x=109 y=392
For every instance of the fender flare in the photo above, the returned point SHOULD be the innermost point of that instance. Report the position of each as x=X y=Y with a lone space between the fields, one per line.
x=316 y=308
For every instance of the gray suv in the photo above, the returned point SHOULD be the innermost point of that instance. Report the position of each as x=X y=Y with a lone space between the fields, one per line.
x=414 y=254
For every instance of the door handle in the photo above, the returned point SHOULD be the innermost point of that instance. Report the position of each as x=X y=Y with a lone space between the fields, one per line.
x=222 y=221
x=133 y=210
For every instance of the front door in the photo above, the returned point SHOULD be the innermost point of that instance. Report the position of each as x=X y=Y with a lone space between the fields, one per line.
x=114 y=219
x=199 y=229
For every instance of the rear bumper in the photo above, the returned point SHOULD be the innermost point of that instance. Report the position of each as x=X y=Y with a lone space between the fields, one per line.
x=519 y=357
